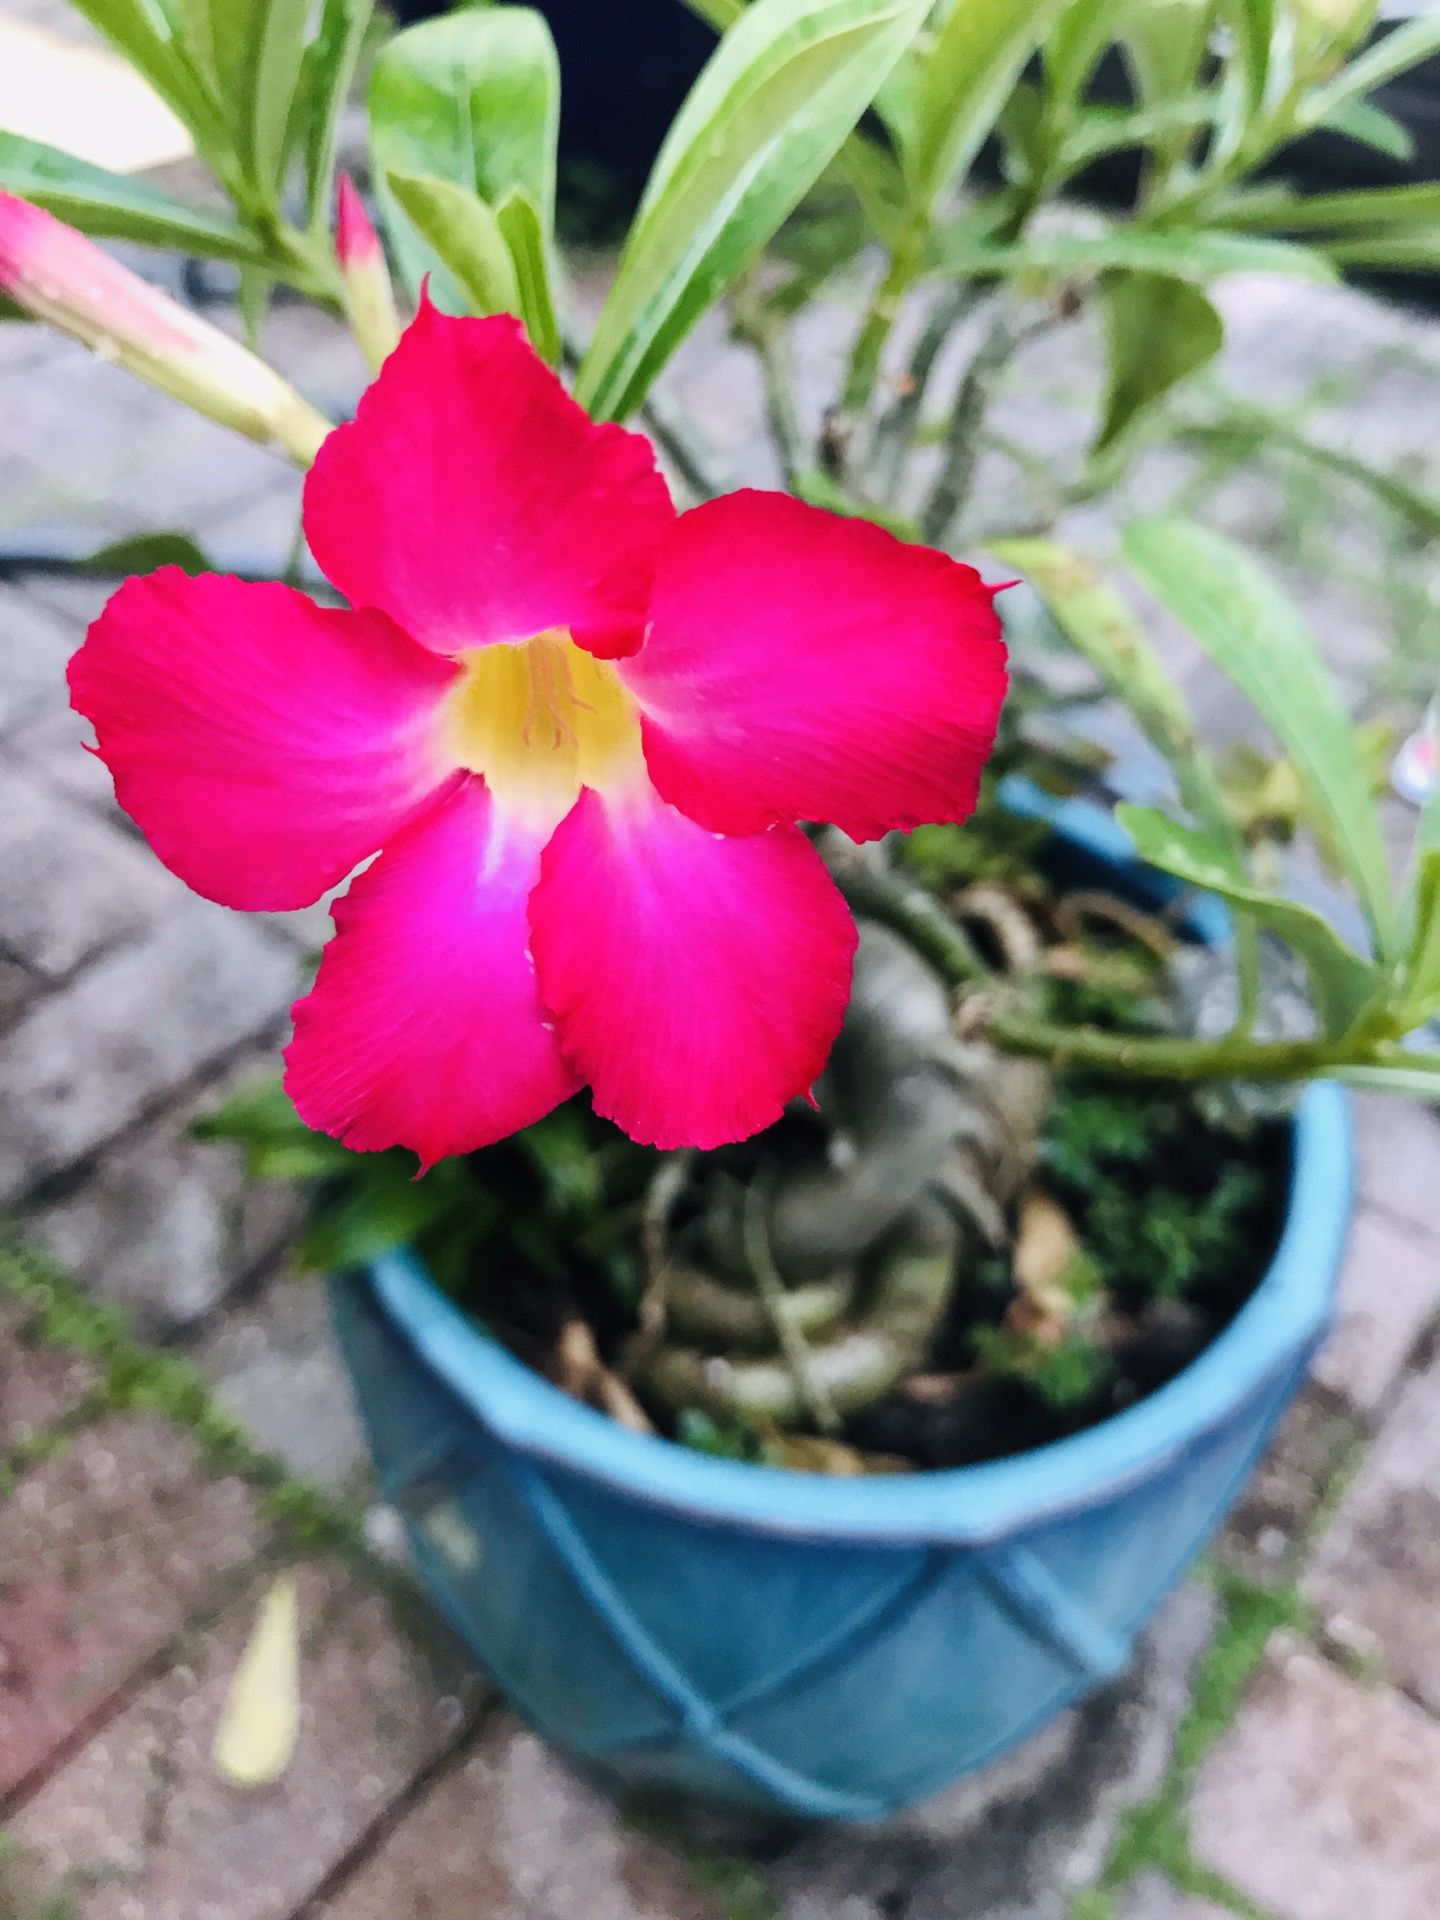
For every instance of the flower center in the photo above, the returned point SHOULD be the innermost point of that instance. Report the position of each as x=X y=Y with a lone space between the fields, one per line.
x=540 y=720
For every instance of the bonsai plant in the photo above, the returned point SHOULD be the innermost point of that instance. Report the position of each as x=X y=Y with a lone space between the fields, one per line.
x=1051 y=1228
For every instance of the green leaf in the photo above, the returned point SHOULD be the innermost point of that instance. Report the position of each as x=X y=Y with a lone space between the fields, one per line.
x=1417 y=205
x=382 y=1205
x=773 y=105
x=1418 y=1081
x=254 y=50
x=1387 y=56
x=110 y=206
x=1158 y=331
x=1104 y=631
x=1371 y=126
x=326 y=77
x=1253 y=24
x=525 y=237
x=464 y=235
x=965 y=80
x=1164 y=41
x=1258 y=637
x=1201 y=255
x=472 y=98
x=1420 y=975
x=144 y=552
x=1100 y=130
x=1342 y=981
x=1075 y=43
x=1398 y=250
x=822 y=489
x=260 y=1118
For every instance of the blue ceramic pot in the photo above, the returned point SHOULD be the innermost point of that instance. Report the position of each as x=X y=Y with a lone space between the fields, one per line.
x=790 y=1641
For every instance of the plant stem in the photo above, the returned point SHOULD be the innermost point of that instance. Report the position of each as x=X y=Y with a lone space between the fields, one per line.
x=880 y=894
x=906 y=259
x=952 y=489
x=1166 y=1057
x=896 y=427
x=764 y=333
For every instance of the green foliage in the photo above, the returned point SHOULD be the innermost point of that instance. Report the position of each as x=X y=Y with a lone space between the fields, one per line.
x=772 y=107
x=1065 y=1373
x=1159 y=330
x=469 y=102
x=1163 y=1204
x=112 y=206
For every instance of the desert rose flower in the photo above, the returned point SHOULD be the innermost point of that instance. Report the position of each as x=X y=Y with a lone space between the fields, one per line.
x=580 y=729
x=59 y=276
x=369 y=296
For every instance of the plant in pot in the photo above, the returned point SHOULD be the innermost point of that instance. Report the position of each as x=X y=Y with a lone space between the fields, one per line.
x=836 y=1393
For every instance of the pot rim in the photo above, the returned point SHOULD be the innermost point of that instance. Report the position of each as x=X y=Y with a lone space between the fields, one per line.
x=1278 y=1326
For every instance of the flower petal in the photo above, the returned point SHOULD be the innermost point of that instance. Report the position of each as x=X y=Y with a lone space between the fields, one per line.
x=263 y=745
x=424 y=1028
x=698 y=983
x=473 y=501
x=801 y=666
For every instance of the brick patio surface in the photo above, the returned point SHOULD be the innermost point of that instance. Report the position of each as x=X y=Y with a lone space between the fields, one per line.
x=1276 y=1750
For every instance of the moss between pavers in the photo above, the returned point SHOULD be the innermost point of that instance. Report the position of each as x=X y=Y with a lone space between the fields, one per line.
x=1155 y=1835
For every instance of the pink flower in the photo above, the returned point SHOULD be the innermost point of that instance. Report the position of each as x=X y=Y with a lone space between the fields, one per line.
x=581 y=729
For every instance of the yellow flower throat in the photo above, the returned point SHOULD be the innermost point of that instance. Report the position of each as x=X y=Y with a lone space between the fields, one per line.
x=541 y=719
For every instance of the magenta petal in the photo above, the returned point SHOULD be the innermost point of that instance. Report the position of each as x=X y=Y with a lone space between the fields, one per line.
x=424 y=1028
x=801 y=666
x=263 y=745
x=698 y=983
x=473 y=501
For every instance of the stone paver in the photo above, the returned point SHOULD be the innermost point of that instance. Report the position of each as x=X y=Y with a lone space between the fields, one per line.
x=167 y=1225
x=1321 y=1802
x=1389 y=1294
x=511 y=1833
x=80 y=1066
x=1150 y=1897
x=51 y=744
x=1399 y=1143
x=1267 y=1530
x=274 y=1365
x=38 y=1384
x=37 y=644
x=18 y=987
x=105 y=1550
x=70 y=885
x=141 y=1821
x=1376 y=1576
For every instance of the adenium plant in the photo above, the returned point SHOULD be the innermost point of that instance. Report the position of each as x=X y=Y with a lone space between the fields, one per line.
x=579 y=726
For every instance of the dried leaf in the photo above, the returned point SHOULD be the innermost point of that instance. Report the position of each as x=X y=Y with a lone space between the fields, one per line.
x=260 y=1723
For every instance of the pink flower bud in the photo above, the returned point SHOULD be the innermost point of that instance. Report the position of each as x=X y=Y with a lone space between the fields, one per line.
x=55 y=274
x=369 y=296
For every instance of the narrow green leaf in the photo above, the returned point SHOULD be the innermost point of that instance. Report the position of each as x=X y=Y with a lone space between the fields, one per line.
x=464 y=235
x=965 y=79
x=1258 y=637
x=1099 y=130
x=1371 y=126
x=1387 y=56
x=255 y=49
x=773 y=105
x=1164 y=43
x=1104 y=631
x=326 y=77
x=1420 y=1081
x=1158 y=331
x=1075 y=43
x=472 y=98
x=111 y=206
x=1421 y=972
x=1253 y=24
x=1342 y=982
x=1399 y=250
x=1200 y=255
x=520 y=224
x=1365 y=207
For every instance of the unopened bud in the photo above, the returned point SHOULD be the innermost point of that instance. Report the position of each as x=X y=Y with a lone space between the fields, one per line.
x=369 y=296
x=57 y=275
